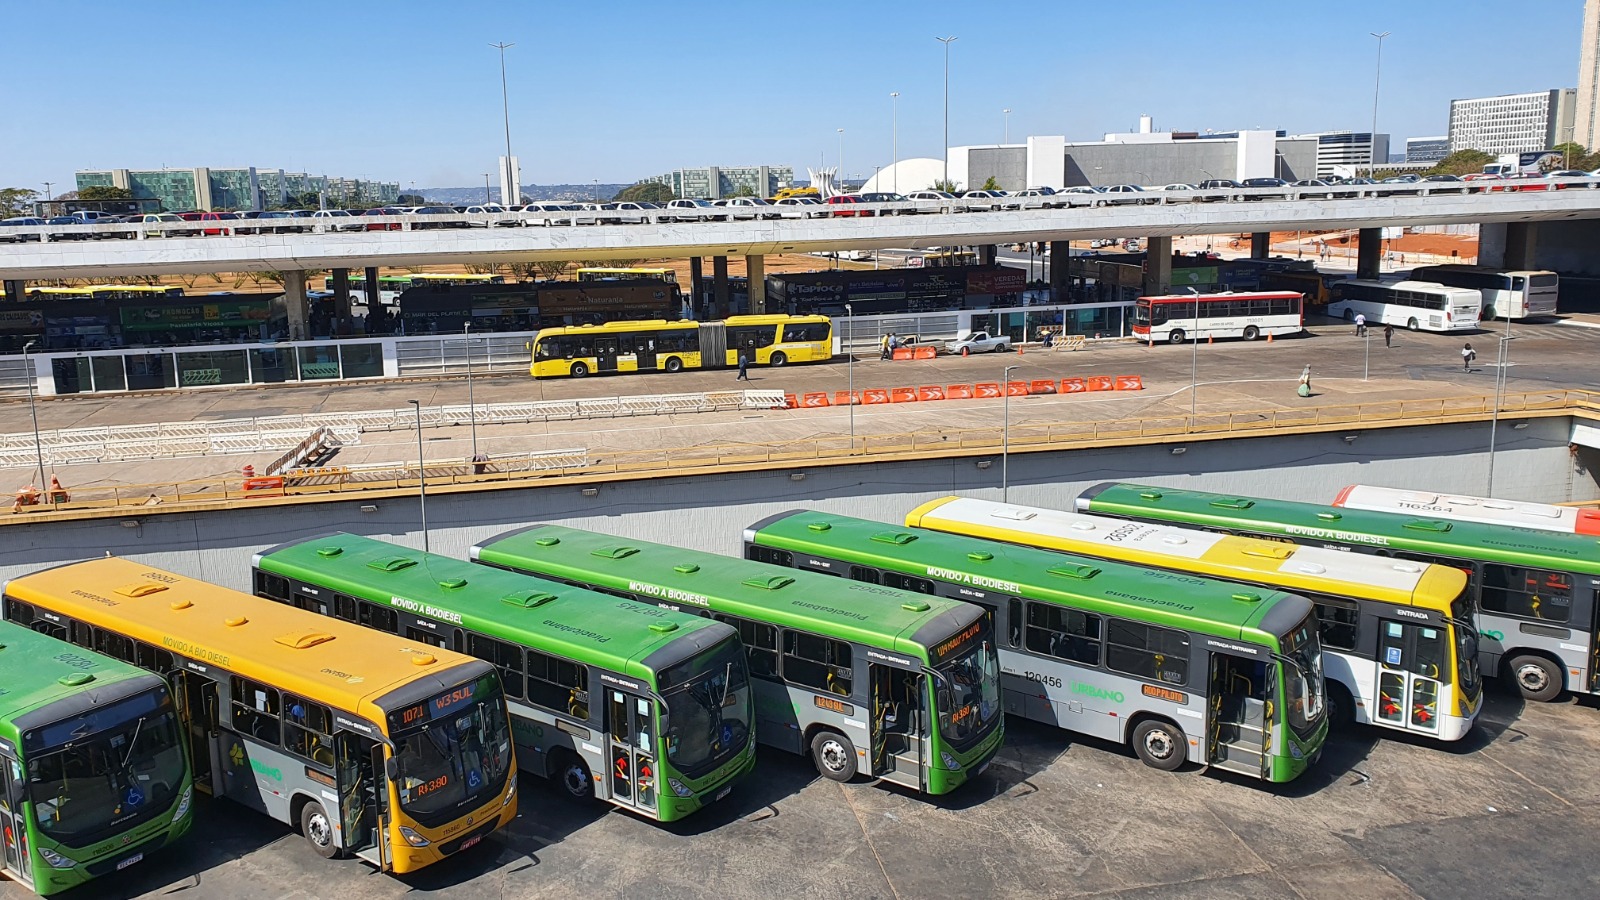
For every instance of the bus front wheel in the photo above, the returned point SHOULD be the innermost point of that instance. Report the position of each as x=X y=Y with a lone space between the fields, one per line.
x=318 y=829
x=1251 y=332
x=579 y=370
x=674 y=364
x=1176 y=336
x=1160 y=745
x=1488 y=314
x=1414 y=325
x=777 y=359
x=1537 y=678
x=834 y=756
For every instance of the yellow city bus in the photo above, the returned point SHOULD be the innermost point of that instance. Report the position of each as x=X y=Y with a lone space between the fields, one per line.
x=107 y=292
x=381 y=747
x=601 y=273
x=659 y=345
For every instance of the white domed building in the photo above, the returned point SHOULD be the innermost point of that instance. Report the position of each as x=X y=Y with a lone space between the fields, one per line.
x=905 y=176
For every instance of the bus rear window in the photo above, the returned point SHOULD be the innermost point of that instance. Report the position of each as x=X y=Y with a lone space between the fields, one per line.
x=1543 y=280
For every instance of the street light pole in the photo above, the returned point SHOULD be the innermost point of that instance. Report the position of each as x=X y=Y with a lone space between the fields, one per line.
x=1499 y=390
x=48 y=196
x=1005 y=438
x=422 y=476
x=1377 y=79
x=1366 y=364
x=472 y=407
x=505 y=110
x=38 y=447
x=841 y=158
x=1007 y=113
x=894 y=135
x=946 y=42
x=1194 y=365
x=850 y=368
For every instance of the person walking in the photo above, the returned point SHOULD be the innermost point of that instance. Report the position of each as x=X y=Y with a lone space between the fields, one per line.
x=1388 y=334
x=883 y=346
x=1361 y=324
x=1467 y=356
x=744 y=362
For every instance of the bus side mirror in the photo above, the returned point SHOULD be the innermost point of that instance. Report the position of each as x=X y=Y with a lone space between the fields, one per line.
x=391 y=768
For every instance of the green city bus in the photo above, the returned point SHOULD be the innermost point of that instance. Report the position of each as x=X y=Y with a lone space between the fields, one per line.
x=867 y=679
x=1177 y=666
x=675 y=710
x=92 y=771
x=1534 y=594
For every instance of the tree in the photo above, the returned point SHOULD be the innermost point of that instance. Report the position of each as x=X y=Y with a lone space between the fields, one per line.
x=991 y=184
x=949 y=187
x=104 y=192
x=14 y=201
x=646 y=192
x=410 y=200
x=1462 y=162
x=554 y=268
x=743 y=191
x=1573 y=156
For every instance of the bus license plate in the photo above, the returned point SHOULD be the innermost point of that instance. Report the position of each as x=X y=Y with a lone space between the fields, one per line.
x=129 y=861
x=470 y=842
x=722 y=793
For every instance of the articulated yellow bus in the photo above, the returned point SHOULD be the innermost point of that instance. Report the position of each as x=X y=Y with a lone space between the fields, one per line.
x=659 y=345
x=376 y=746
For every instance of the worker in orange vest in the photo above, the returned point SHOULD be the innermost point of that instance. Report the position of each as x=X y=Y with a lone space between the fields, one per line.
x=58 y=494
x=28 y=496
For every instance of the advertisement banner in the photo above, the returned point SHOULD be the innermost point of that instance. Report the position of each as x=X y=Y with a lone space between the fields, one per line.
x=228 y=314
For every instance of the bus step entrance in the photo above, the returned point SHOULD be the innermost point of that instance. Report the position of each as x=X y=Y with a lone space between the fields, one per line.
x=897 y=714
x=1238 y=732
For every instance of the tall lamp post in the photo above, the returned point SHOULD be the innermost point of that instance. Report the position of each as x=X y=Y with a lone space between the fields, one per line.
x=472 y=407
x=850 y=368
x=422 y=476
x=487 y=197
x=1007 y=113
x=33 y=410
x=1005 y=438
x=1194 y=365
x=505 y=111
x=1499 y=390
x=1377 y=79
x=841 y=158
x=894 y=135
x=946 y=41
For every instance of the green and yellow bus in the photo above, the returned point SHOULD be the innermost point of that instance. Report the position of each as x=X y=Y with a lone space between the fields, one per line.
x=659 y=345
x=93 y=775
x=601 y=273
x=675 y=709
x=1179 y=668
x=1534 y=594
x=868 y=680
x=374 y=746
x=1399 y=648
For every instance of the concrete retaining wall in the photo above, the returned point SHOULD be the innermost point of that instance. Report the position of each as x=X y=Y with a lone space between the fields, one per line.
x=1532 y=464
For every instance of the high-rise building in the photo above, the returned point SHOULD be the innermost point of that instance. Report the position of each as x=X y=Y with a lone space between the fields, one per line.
x=717 y=182
x=1427 y=149
x=1587 y=119
x=1513 y=123
x=244 y=188
x=1344 y=152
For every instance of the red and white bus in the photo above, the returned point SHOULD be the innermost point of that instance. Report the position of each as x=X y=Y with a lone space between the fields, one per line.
x=1453 y=507
x=1181 y=317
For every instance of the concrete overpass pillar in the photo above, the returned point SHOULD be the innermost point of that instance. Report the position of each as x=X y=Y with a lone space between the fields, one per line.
x=16 y=291
x=988 y=254
x=755 y=268
x=1369 y=252
x=1158 y=266
x=294 y=300
x=694 y=287
x=341 y=293
x=372 y=290
x=1508 y=245
x=1260 y=244
x=1060 y=260
x=719 y=287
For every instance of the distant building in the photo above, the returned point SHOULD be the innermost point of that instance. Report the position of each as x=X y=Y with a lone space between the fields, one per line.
x=1347 y=151
x=1587 y=116
x=1513 y=123
x=1427 y=149
x=247 y=188
x=717 y=182
x=1142 y=157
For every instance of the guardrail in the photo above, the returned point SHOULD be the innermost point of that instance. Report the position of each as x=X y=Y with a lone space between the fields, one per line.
x=359 y=225
x=172 y=496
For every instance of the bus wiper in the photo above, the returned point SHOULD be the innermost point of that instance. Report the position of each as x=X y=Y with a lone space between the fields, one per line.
x=134 y=742
x=727 y=685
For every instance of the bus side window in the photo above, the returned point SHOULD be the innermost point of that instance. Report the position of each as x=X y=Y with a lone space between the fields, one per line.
x=558 y=685
x=816 y=662
x=18 y=612
x=1063 y=633
x=272 y=587
x=1527 y=593
x=760 y=643
x=1014 y=622
x=1340 y=620
x=308 y=730
x=344 y=607
x=865 y=574
x=255 y=710
x=503 y=656
x=82 y=634
x=153 y=659
x=375 y=616
x=770 y=555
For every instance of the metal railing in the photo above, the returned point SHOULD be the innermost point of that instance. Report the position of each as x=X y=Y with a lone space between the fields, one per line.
x=834 y=448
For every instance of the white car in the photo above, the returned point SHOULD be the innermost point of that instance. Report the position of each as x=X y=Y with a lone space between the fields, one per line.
x=969 y=342
x=548 y=214
x=749 y=208
x=935 y=202
x=684 y=210
x=1038 y=198
x=505 y=217
x=1123 y=195
x=336 y=220
x=801 y=208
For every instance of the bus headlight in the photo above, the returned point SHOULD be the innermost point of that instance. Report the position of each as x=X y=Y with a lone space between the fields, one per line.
x=412 y=838
x=949 y=761
x=56 y=860
x=1295 y=751
x=511 y=790
x=183 y=803
x=679 y=788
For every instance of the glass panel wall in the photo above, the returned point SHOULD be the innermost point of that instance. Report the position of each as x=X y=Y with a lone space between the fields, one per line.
x=108 y=373
x=273 y=366
x=319 y=362
x=212 y=367
x=362 y=360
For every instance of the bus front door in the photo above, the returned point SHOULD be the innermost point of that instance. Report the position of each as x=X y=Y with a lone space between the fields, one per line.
x=13 y=826
x=1412 y=657
x=197 y=700
x=358 y=797
x=645 y=353
x=899 y=726
x=605 y=354
x=630 y=722
x=1237 y=736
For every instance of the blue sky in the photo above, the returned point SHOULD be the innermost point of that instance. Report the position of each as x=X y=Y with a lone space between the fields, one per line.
x=615 y=91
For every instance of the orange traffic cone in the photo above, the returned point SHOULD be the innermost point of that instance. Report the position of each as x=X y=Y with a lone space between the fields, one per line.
x=1209 y=339
x=1269 y=337
x=249 y=472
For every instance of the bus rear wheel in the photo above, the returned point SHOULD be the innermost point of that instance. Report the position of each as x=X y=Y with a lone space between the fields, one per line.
x=573 y=776
x=1488 y=314
x=1251 y=332
x=1536 y=677
x=579 y=370
x=318 y=830
x=1413 y=324
x=1176 y=336
x=674 y=364
x=778 y=359
x=1159 y=745
x=834 y=756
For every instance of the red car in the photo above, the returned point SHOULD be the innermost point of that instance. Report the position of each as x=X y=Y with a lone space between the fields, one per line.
x=384 y=211
x=845 y=199
x=218 y=217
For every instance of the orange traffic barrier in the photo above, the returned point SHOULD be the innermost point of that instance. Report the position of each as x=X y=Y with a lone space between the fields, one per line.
x=790 y=401
x=814 y=399
x=958 y=392
x=874 y=395
x=930 y=392
x=928 y=352
x=986 y=389
x=1047 y=386
x=1130 y=383
x=1101 y=383
x=902 y=395
x=903 y=353
x=270 y=483
x=845 y=398
x=1016 y=389
x=1073 y=385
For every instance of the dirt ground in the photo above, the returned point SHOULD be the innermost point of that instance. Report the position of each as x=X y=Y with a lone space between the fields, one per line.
x=1466 y=245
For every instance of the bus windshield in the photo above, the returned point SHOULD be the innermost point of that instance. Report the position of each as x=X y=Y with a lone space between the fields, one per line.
x=968 y=686
x=707 y=709
x=1302 y=650
x=107 y=769
x=460 y=754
